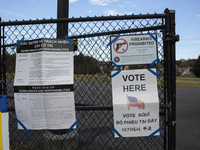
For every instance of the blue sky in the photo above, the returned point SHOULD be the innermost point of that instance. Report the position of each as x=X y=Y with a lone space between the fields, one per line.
x=187 y=15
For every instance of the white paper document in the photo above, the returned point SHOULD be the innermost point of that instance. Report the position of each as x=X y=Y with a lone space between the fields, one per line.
x=43 y=85
x=135 y=103
x=45 y=110
x=44 y=68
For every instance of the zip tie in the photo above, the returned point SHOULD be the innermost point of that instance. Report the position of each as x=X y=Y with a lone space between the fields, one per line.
x=68 y=131
x=155 y=61
x=152 y=134
x=116 y=132
x=113 y=40
x=153 y=37
x=70 y=42
x=155 y=73
x=17 y=44
x=21 y=124
x=118 y=69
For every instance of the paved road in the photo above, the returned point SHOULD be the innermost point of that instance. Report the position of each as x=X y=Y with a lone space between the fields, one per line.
x=188 y=118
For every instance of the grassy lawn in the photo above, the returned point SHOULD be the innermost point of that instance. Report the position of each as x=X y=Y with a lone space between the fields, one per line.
x=180 y=81
x=187 y=82
x=92 y=78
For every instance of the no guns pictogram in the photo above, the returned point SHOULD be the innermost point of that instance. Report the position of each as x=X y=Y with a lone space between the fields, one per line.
x=120 y=46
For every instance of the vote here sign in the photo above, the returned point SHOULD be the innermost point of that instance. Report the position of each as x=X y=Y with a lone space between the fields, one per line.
x=135 y=103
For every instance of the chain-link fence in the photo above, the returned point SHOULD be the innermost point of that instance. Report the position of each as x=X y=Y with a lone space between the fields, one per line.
x=92 y=85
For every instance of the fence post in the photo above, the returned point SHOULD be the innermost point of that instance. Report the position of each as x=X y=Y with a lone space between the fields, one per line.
x=1 y=81
x=3 y=65
x=62 y=30
x=62 y=12
x=170 y=39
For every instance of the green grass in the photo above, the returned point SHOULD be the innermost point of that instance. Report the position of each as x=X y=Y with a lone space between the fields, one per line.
x=180 y=81
x=17 y=146
x=10 y=75
x=92 y=78
x=187 y=82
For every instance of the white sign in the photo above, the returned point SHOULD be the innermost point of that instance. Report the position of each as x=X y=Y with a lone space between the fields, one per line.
x=134 y=49
x=135 y=103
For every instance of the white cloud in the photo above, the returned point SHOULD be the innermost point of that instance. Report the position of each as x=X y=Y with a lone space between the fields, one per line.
x=112 y=12
x=102 y=2
x=72 y=1
x=198 y=15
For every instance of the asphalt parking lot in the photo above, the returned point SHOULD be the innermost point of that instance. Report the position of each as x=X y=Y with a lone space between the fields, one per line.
x=188 y=118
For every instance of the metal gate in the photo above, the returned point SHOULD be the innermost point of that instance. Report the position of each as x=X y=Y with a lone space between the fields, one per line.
x=92 y=85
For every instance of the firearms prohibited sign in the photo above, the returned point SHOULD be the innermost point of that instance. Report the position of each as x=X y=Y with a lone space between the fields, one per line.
x=134 y=49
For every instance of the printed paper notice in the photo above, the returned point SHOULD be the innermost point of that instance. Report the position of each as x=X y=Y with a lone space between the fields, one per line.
x=43 y=85
x=45 y=110
x=44 y=68
x=135 y=103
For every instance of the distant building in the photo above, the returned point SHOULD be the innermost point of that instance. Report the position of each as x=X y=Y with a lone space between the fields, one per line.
x=186 y=71
x=104 y=66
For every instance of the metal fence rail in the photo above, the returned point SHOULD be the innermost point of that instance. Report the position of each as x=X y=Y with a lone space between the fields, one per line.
x=93 y=92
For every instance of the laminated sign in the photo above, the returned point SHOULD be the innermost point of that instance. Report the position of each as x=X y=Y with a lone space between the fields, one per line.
x=135 y=103
x=134 y=49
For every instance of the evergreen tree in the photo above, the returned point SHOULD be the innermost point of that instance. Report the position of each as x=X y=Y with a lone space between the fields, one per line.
x=85 y=65
x=196 y=67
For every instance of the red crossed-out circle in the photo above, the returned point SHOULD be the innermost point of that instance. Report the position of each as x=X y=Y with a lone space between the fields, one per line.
x=119 y=44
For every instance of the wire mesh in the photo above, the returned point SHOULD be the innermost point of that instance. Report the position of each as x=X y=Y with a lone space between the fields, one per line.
x=92 y=86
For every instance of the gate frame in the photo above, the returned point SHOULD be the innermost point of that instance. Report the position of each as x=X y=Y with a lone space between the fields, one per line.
x=170 y=73
x=169 y=40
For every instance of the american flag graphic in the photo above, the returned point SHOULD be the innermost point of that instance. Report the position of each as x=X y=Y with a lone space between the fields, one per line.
x=135 y=102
